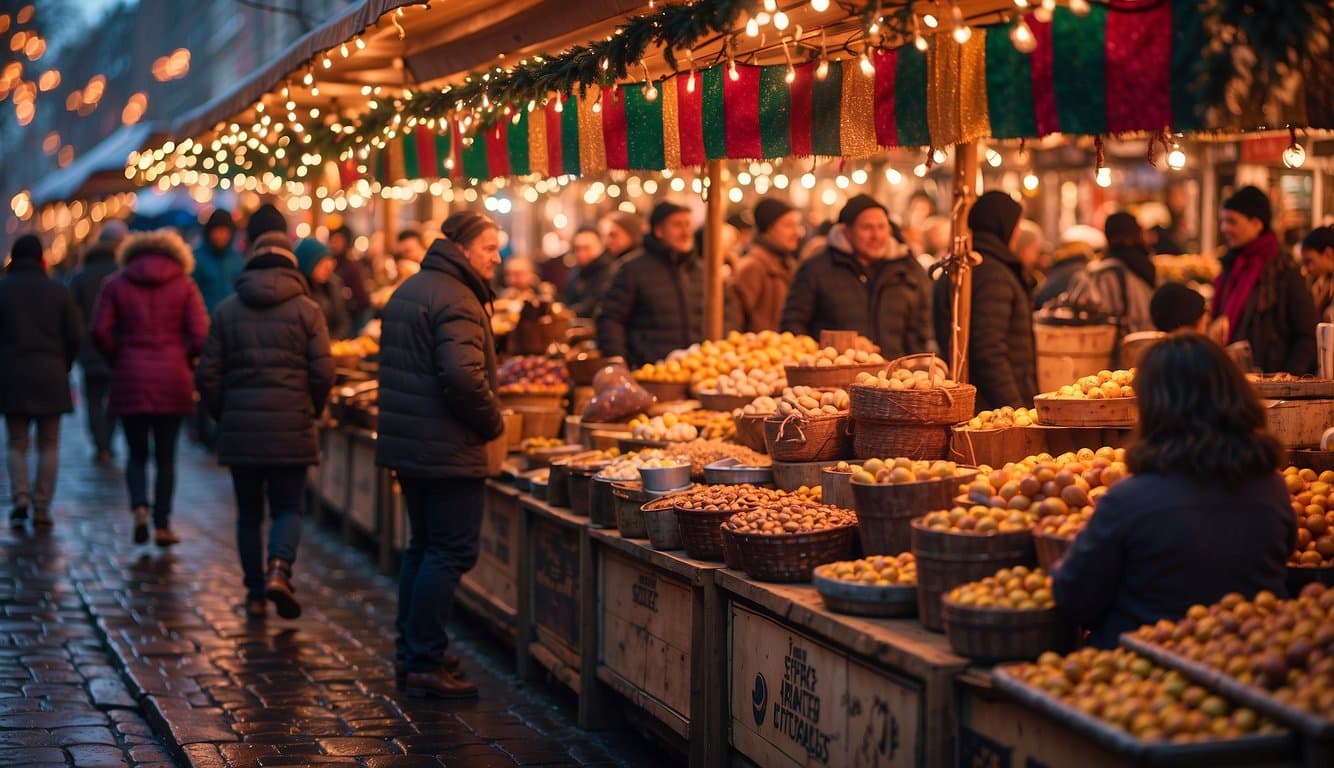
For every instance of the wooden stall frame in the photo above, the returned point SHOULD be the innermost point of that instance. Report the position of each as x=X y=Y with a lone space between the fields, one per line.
x=532 y=642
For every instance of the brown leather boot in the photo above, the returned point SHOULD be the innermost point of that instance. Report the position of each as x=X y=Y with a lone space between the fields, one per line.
x=439 y=684
x=278 y=589
x=453 y=665
x=256 y=609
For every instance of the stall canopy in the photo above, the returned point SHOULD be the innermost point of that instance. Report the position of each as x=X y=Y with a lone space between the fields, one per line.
x=101 y=170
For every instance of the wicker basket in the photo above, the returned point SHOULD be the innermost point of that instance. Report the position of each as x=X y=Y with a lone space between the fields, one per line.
x=513 y=428
x=945 y=560
x=660 y=524
x=836 y=488
x=731 y=553
x=750 y=431
x=1050 y=548
x=839 y=376
x=717 y=401
x=790 y=557
x=866 y=599
x=701 y=532
x=789 y=476
x=601 y=503
x=996 y=447
x=915 y=441
x=823 y=438
x=534 y=399
x=886 y=510
x=539 y=421
x=989 y=634
x=940 y=406
x=666 y=391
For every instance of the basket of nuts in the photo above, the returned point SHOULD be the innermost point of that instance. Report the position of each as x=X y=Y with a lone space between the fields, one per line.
x=785 y=543
x=810 y=425
x=831 y=368
x=879 y=585
x=1008 y=616
x=701 y=511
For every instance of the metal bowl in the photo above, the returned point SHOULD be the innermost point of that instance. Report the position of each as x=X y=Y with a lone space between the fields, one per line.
x=730 y=471
x=665 y=478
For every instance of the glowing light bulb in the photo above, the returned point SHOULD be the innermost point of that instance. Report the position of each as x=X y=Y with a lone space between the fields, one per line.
x=1020 y=3
x=780 y=21
x=732 y=72
x=560 y=105
x=1176 y=159
x=930 y=20
x=1044 y=12
x=690 y=83
x=770 y=5
x=919 y=170
x=893 y=176
x=822 y=70
x=920 y=43
x=597 y=106
x=868 y=68
x=791 y=76
x=1294 y=156
x=1022 y=36
x=994 y=158
x=1030 y=181
x=1079 y=7
x=1103 y=177
x=808 y=180
x=819 y=6
x=752 y=28
x=938 y=156
x=962 y=32
x=650 y=92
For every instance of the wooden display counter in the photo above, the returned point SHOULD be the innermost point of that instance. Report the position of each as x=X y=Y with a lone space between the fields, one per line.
x=553 y=560
x=659 y=641
x=810 y=687
x=995 y=730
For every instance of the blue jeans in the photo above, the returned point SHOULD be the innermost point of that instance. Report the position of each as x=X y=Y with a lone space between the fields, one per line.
x=285 y=487
x=163 y=428
x=446 y=520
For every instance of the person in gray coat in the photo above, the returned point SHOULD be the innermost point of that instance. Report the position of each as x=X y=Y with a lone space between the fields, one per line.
x=98 y=264
x=264 y=376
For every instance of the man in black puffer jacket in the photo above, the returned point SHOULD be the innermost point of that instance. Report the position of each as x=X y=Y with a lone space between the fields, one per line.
x=438 y=411
x=1002 y=359
x=655 y=303
x=264 y=376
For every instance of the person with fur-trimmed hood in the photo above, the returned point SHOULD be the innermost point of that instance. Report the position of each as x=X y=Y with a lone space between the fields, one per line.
x=264 y=375
x=151 y=324
x=865 y=280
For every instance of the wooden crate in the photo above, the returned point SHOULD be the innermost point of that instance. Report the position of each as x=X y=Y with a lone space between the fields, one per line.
x=873 y=678
x=490 y=589
x=659 y=641
x=553 y=560
x=1299 y=423
x=333 y=471
x=995 y=730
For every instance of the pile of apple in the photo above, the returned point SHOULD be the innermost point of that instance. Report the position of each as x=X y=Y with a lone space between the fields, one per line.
x=1130 y=693
x=903 y=379
x=876 y=570
x=703 y=364
x=979 y=519
x=829 y=357
x=763 y=405
x=749 y=383
x=1004 y=417
x=1011 y=589
x=1285 y=647
x=809 y=402
x=683 y=427
x=533 y=375
x=1104 y=385
x=627 y=467
x=1312 y=504
x=1065 y=526
x=1051 y=486
x=539 y=443
x=900 y=470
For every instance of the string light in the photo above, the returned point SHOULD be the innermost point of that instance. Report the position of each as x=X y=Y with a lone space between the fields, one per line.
x=819 y=6
x=1022 y=36
x=1103 y=177
x=1020 y=3
x=930 y=20
x=752 y=27
x=361 y=44
x=650 y=90
x=1044 y=12
x=918 y=39
x=1295 y=155
x=1176 y=158
x=994 y=158
x=780 y=21
x=1030 y=181
x=732 y=73
x=868 y=68
x=790 y=76
x=1079 y=7
x=962 y=32
x=822 y=69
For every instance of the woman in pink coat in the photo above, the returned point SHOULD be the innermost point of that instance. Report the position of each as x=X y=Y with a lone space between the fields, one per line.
x=151 y=324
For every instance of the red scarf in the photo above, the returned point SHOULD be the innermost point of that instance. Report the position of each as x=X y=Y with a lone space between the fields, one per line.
x=1234 y=288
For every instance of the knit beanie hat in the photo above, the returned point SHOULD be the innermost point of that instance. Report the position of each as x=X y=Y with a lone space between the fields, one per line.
x=632 y=225
x=1175 y=306
x=266 y=218
x=1250 y=201
x=308 y=253
x=26 y=248
x=662 y=211
x=856 y=207
x=768 y=211
x=112 y=233
x=272 y=244
x=1122 y=228
x=223 y=218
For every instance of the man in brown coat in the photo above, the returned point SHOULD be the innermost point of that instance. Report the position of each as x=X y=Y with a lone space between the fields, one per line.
x=765 y=272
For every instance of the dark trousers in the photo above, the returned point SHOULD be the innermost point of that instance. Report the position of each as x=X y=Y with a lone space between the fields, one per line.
x=285 y=487
x=446 y=519
x=101 y=424
x=163 y=429
x=22 y=488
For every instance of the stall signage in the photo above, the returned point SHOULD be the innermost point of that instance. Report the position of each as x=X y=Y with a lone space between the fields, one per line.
x=798 y=702
x=556 y=580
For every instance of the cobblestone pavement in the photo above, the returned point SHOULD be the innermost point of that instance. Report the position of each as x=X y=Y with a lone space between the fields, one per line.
x=116 y=655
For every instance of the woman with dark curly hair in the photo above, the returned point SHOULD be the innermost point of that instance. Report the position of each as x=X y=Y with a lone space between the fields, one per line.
x=1205 y=512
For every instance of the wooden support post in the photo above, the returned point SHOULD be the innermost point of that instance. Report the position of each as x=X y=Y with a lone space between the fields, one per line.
x=389 y=223
x=965 y=192
x=713 y=252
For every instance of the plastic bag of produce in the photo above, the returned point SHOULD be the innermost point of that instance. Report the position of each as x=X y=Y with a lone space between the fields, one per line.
x=616 y=396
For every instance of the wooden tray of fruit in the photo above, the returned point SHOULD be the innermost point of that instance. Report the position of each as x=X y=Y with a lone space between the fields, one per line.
x=1285 y=386
x=1054 y=411
x=879 y=586
x=1317 y=722
x=1256 y=747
